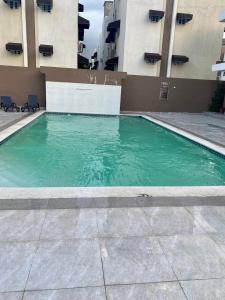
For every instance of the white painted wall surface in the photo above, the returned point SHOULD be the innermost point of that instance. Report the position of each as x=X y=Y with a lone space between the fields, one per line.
x=83 y=98
x=11 y=31
x=142 y=36
x=60 y=29
x=200 y=39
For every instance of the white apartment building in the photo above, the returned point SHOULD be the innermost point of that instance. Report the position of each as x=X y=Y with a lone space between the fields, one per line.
x=36 y=33
x=168 y=38
x=219 y=67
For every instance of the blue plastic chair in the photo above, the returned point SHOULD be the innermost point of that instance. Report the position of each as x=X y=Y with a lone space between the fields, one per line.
x=7 y=103
x=31 y=104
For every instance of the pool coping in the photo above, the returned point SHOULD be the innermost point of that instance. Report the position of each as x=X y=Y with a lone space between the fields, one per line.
x=12 y=129
x=100 y=197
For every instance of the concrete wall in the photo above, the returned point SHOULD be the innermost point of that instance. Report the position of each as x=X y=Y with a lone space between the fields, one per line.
x=83 y=91
x=83 y=98
x=20 y=82
x=83 y=76
x=142 y=36
x=139 y=93
x=12 y=26
x=200 y=39
x=142 y=93
x=58 y=28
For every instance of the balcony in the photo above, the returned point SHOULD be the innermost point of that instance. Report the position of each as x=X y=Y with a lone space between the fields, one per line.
x=112 y=28
x=183 y=19
x=46 y=50
x=111 y=38
x=83 y=62
x=45 y=5
x=14 y=48
x=179 y=59
x=13 y=3
x=95 y=66
x=156 y=15
x=82 y=25
x=95 y=55
x=112 y=63
x=80 y=7
x=152 y=58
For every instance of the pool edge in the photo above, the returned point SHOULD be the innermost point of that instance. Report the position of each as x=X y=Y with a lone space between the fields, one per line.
x=38 y=198
x=8 y=132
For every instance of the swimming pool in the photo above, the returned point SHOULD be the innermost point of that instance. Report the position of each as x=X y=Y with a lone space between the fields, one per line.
x=59 y=150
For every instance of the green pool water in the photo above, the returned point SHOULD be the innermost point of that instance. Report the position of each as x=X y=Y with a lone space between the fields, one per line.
x=87 y=151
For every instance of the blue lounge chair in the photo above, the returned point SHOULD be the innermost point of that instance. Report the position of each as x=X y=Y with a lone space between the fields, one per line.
x=7 y=103
x=31 y=104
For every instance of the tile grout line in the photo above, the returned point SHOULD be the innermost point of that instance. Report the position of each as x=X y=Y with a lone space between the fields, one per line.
x=35 y=252
x=32 y=260
x=104 y=237
x=170 y=264
x=114 y=285
x=99 y=244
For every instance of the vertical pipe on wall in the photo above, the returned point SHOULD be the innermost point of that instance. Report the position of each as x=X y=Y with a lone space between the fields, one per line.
x=167 y=36
x=173 y=25
x=24 y=33
x=30 y=31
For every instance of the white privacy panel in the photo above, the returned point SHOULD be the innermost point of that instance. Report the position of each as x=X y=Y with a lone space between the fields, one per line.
x=83 y=98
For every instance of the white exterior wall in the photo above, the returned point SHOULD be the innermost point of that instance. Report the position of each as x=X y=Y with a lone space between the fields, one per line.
x=12 y=29
x=142 y=36
x=58 y=28
x=137 y=35
x=200 y=39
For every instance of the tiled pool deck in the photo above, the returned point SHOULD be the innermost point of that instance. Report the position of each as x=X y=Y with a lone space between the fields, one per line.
x=208 y=126
x=10 y=118
x=115 y=254
x=142 y=253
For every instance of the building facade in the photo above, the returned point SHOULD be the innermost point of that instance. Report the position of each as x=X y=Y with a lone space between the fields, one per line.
x=36 y=33
x=219 y=67
x=167 y=38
